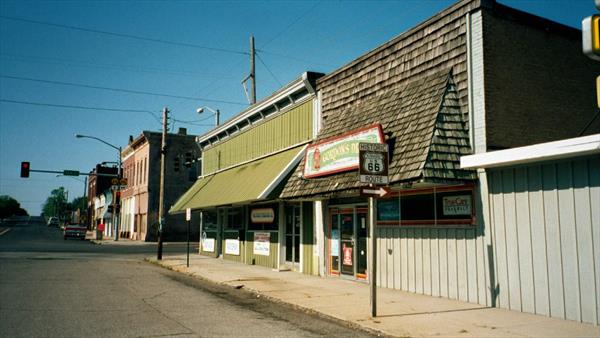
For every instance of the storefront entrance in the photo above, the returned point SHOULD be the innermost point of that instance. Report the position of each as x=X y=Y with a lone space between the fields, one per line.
x=292 y=235
x=348 y=241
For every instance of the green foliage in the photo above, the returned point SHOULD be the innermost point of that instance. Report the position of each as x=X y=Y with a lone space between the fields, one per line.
x=56 y=204
x=10 y=207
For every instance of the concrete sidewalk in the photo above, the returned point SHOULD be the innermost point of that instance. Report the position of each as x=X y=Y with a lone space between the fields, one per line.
x=399 y=313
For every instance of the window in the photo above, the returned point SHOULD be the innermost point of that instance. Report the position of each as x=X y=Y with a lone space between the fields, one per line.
x=235 y=219
x=444 y=206
x=209 y=220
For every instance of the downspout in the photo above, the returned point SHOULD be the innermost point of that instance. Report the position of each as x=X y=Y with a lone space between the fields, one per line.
x=470 y=95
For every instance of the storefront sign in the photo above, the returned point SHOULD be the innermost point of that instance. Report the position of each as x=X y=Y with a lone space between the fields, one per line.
x=457 y=205
x=262 y=243
x=232 y=247
x=263 y=215
x=208 y=244
x=339 y=153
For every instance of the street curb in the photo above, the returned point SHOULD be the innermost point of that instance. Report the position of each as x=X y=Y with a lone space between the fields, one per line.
x=243 y=288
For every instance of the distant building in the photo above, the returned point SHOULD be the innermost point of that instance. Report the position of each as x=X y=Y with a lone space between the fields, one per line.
x=140 y=199
x=97 y=187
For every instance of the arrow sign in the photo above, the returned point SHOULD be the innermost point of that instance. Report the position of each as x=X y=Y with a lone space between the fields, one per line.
x=374 y=192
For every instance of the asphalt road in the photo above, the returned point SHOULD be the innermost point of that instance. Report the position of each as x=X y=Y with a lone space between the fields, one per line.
x=50 y=287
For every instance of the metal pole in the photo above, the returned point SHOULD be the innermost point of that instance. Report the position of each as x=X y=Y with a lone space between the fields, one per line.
x=252 y=71
x=161 y=200
x=373 y=256
x=117 y=205
x=217 y=118
x=188 y=244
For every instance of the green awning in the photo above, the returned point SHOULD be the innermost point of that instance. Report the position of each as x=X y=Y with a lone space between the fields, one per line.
x=245 y=183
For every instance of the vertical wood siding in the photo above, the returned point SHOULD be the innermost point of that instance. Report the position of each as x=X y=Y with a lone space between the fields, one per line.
x=546 y=238
x=433 y=261
x=309 y=266
x=280 y=132
x=545 y=241
x=266 y=261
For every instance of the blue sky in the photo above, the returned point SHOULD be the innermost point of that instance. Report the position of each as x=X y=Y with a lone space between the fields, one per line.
x=204 y=59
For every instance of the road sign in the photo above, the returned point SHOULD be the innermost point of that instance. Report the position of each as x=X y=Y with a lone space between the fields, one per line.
x=71 y=172
x=188 y=214
x=377 y=192
x=373 y=163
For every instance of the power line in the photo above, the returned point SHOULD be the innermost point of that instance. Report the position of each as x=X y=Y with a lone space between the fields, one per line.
x=292 y=23
x=122 y=35
x=293 y=58
x=269 y=70
x=44 y=104
x=79 y=63
x=122 y=90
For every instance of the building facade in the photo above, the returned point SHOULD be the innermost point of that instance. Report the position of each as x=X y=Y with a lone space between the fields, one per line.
x=474 y=78
x=140 y=198
x=98 y=186
x=245 y=162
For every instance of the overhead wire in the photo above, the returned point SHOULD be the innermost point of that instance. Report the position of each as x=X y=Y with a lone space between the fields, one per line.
x=122 y=90
x=123 y=35
x=268 y=69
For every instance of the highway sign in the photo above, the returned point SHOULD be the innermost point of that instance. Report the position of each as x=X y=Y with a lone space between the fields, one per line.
x=373 y=163
x=377 y=192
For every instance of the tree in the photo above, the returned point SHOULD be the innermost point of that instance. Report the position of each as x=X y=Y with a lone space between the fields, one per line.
x=56 y=204
x=10 y=207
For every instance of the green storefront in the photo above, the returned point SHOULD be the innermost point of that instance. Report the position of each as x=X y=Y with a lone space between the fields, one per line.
x=245 y=163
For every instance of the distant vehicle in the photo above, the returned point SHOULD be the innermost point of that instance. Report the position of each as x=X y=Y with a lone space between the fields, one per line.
x=53 y=222
x=75 y=231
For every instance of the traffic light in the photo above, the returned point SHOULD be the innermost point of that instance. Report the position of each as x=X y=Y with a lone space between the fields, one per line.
x=590 y=28
x=24 y=169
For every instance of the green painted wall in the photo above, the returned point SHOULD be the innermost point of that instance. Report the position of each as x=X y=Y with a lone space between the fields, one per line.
x=290 y=128
x=267 y=261
x=309 y=262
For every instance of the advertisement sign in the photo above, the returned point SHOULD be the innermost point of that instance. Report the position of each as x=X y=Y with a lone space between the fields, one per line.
x=339 y=153
x=347 y=260
x=335 y=243
x=262 y=215
x=457 y=205
x=208 y=244
x=232 y=247
x=262 y=243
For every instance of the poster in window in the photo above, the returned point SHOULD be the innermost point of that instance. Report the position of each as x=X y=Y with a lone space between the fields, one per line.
x=262 y=243
x=335 y=243
x=208 y=244
x=388 y=209
x=232 y=247
x=456 y=205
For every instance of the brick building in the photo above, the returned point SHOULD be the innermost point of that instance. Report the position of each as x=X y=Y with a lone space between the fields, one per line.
x=140 y=199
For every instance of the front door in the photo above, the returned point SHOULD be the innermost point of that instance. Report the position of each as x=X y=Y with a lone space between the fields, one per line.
x=347 y=241
x=292 y=235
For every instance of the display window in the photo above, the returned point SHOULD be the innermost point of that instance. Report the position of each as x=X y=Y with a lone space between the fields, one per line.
x=440 y=206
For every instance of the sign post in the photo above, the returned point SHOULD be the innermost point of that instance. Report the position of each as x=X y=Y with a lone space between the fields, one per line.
x=188 y=218
x=373 y=169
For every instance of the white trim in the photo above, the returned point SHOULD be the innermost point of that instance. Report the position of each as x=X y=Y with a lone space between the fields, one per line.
x=283 y=174
x=579 y=146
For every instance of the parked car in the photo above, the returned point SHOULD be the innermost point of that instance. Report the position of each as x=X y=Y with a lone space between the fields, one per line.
x=53 y=222
x=75 y=231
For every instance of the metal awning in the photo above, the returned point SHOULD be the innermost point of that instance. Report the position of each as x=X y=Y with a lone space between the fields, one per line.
x=248 y=182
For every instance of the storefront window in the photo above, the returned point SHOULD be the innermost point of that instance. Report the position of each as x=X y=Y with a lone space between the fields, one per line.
x=235 y=219
x=209 y=220
x=443 y=206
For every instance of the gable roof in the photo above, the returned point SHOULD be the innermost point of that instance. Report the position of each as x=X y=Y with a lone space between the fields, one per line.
x=425 y=129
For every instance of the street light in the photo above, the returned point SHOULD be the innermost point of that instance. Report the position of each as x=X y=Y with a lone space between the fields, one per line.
x=118 y=176
x=216 y=112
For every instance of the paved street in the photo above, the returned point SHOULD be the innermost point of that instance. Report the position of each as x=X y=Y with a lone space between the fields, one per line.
x=50 y=287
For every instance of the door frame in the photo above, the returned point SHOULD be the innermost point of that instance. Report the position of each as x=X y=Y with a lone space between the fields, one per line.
x=339 y=209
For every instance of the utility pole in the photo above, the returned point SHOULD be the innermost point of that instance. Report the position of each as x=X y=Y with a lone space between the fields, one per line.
x=161 y=198
x=252 y=70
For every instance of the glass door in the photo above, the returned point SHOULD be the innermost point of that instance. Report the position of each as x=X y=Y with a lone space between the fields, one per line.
x=361 y=244
x=292 y=234
x=347 y=242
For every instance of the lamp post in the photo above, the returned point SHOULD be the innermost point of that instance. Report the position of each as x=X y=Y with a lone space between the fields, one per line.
x=115 y=215
x=214 y=111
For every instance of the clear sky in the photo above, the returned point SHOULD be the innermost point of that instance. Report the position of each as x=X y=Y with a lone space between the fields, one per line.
x=193 y=49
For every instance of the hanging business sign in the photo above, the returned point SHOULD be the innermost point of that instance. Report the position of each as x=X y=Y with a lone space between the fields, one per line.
x=373 y=163
x=262 y=215
x=339 y=153
x=232 y=247
x=262 y=243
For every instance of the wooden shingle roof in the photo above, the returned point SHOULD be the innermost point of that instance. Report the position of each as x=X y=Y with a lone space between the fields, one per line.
x=423 y=125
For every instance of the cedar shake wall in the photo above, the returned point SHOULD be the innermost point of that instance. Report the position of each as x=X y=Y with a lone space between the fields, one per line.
x=539 y=87
x=439 y=43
